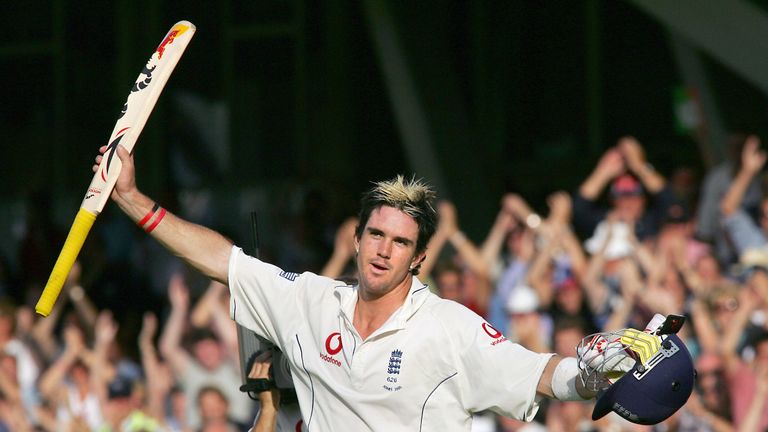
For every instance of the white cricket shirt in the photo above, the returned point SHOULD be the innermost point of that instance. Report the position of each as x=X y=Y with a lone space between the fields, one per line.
x=428 y=368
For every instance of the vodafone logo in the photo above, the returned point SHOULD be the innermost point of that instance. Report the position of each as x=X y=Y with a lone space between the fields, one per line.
x=332 y=347
x=333 y=343
x=493 y=333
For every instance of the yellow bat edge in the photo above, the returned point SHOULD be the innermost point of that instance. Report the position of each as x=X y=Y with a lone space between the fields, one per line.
x=75 y=239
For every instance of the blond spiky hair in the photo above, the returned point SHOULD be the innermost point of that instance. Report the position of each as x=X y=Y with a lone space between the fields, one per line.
x=413 y=197
x=410 y=197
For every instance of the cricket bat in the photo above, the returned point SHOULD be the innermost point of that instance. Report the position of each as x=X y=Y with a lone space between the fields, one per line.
x=136 y=110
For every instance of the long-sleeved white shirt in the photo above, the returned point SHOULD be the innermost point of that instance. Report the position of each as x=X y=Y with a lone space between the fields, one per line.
x=428 y=368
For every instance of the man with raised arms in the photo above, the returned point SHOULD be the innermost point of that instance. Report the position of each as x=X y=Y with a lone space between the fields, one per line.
x=385 y=354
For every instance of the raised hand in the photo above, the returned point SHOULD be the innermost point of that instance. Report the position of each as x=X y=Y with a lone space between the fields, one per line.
x=449 y=224
x=74 y=341
x=611 y=164
x=148 y=328
x=73 y=278
x=631 y=281
x=345 y=237
x=106 y=329
x=126 y=181
x=633 y=153
x=178 y=292
x=514 y=204
x=752 y=157
x=505 y=220
x=560 y=207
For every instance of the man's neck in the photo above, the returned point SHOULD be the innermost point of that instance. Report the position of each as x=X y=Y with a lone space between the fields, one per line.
x=372 y=313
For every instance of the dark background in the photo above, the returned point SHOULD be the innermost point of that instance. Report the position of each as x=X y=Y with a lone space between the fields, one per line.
x=516 y=96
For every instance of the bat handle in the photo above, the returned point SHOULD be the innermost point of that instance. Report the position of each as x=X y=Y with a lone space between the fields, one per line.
x=75 y=239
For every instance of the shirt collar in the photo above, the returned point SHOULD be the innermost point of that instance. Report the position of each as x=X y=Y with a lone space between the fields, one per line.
x=416 y=296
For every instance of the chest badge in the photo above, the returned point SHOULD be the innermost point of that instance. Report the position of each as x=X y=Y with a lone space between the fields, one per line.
x=393 y=371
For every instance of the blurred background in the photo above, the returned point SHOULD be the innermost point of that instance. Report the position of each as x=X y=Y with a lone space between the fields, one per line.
x=478 y=97
x=289 y=109
x=283 y=107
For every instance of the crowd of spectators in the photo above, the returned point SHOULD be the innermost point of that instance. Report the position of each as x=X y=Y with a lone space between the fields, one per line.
x=608 y=254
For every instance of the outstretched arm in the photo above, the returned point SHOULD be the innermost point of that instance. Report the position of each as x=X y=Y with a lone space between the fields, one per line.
x=204 y=249
x=748 y=302
x=448 y=231
x=561 y=380
x=158 y=378
x=757 y=407
x=597 y=291
x=539 y=277
x=83 y=305
x=43 y=329
x=630 y=284
x=343 y=249
x=634 y=156
x=51 y=380
x=202 y=314
x=102 y=370
x=702 y=320
x=610 y=165
x=434 y=248
x=494 y=242
x=752 y=161
x=560 y=216
x=170 y=339
x=224 y=327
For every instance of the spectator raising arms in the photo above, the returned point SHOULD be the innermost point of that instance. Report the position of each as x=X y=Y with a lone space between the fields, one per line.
x=632 y=176
x=159 y=379
x=207 y=365
x=462 y=276
x=508 y=250
x=540 y=287
x=740 y=227
x=331 y=333
x=343 y=251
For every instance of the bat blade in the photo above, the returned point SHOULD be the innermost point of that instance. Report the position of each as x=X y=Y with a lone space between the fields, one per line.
x=133 y=116
x=139 y=105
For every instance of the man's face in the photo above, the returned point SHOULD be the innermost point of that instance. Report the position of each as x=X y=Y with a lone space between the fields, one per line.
x=79 y=373
x=212 y=406
x=569 y=299
x=449 y=285
x=566 y=340
x=524 y=326
x=520 y=241
x=708 y=366
x=208 y=353
x=629 y=207
x=386 y=251
x=708 y=268
x=724 y=306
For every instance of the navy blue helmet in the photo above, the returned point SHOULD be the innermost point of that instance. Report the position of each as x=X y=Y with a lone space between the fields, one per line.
x=651 y=391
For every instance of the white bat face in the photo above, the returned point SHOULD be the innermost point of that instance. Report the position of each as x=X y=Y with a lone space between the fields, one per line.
x=135 y=112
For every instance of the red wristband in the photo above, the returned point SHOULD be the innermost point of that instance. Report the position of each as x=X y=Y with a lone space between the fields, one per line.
x=159 y=217
x=148 y=216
